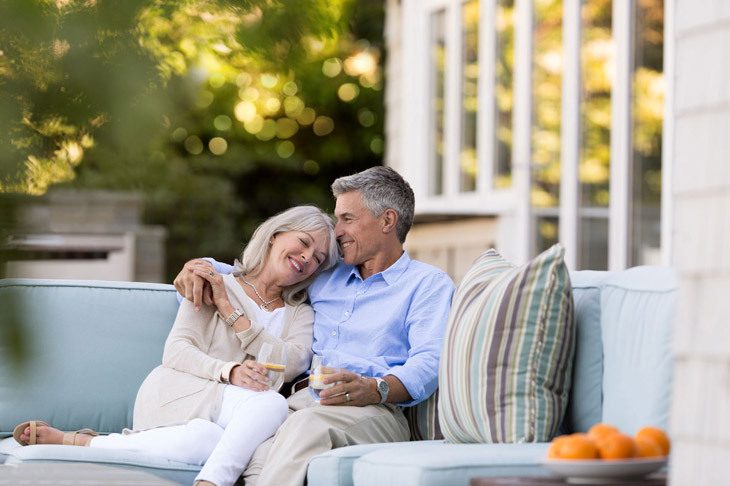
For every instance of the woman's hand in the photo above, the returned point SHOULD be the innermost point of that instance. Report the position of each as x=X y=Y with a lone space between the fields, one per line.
x=217 y=288
x=193 y=287
x=251 y=375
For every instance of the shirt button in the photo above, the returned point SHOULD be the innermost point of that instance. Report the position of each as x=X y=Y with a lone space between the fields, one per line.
x=334 y=333
x=347 y=313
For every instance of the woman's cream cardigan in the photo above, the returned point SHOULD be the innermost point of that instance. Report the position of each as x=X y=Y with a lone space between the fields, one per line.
x=200 y=352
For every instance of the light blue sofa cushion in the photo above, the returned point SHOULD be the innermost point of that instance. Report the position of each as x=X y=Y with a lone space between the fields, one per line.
x=90 y=345
x=179 y=472
x=586 y=396
x=426 y=464
x=638 y=307
x=334 y=468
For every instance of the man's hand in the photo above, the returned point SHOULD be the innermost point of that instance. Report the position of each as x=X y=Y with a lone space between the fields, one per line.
x=352 y=389
x=192 y=286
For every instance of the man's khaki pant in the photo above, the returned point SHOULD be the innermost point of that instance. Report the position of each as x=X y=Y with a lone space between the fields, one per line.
x=312 y=429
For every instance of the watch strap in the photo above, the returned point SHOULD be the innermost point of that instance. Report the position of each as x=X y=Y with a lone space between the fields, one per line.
x=230 y=320
x=383 y=388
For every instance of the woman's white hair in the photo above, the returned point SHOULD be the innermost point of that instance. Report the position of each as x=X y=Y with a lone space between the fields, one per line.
x=309 y=219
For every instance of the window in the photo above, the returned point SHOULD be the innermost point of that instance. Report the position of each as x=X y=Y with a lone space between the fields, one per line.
x=648 y=104
x=469 y=96
x=547 y=67
x=437 y=82
x=546 y=113
x=596 y=51
x=503 y=99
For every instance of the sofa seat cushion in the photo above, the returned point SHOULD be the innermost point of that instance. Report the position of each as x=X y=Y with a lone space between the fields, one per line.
x=334 y=468
x=175 y=471
x=426 y=463
x=508 y=351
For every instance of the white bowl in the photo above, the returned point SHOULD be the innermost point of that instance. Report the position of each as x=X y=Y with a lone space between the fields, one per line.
x=603 y=471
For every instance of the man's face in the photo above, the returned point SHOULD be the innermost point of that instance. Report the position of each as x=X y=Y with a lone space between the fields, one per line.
x=358 y=232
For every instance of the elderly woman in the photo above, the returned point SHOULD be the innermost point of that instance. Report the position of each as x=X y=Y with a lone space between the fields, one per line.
x=210 y=401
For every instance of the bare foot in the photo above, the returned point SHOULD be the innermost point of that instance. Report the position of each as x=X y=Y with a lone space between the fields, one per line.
x=49 y=435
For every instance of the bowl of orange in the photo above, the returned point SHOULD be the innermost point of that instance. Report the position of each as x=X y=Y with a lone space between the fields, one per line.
x=605 y=454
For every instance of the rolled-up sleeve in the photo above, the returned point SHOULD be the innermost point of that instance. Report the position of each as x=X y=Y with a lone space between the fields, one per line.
x=426 y=324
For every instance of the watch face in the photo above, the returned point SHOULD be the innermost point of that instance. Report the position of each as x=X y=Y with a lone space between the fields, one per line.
x=383 y=388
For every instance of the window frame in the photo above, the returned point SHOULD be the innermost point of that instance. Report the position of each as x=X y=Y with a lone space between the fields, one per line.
x=513 y=204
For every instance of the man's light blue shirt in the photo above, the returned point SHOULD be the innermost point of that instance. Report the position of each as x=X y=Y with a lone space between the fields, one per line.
x=391 y=323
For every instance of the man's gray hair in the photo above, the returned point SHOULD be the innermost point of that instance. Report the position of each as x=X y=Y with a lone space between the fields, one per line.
x=309 y=219
x=381 y=188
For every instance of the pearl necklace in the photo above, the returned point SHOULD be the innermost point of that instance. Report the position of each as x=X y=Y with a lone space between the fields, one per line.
x=264 y=303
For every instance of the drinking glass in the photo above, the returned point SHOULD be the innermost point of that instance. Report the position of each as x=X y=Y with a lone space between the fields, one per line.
x=274 y=362
x=320 y=368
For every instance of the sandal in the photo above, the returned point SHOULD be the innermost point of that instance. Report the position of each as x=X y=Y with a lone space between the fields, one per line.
x=69 y=438
x=20 y=428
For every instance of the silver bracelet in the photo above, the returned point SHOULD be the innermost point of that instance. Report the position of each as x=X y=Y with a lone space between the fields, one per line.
x=234 y=317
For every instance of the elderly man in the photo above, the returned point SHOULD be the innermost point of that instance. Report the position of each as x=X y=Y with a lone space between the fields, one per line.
x=378 y=314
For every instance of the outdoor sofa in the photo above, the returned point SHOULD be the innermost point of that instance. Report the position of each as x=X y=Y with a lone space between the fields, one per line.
x=91 y=343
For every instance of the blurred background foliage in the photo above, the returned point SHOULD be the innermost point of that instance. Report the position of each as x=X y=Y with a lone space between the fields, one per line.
x=219 y=112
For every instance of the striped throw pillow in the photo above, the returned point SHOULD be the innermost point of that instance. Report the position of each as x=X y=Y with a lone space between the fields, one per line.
x=507 y=358
x=423 y=419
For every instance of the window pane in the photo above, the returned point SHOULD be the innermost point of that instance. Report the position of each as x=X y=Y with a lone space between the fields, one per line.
x=438 y=66
x=648 y=108
x=594 y=235
x=546 y=79
x=505 y=17
x=470 y=75
x=595 y=136
x=546 y=234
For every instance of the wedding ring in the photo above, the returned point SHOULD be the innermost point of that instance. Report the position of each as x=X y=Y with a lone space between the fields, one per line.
x=347 y=397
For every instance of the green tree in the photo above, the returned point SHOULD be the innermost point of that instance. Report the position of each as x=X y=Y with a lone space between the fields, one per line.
x=220 y=112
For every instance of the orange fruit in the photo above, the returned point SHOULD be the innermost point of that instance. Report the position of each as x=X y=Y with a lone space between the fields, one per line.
x=600 y=431
x=578 y=446
x=555 y=447
x=656 y=435
x=648 y=448
x=617 y=446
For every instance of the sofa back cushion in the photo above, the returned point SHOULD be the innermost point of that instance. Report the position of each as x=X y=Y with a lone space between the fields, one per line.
x=507 y=357
x=87 y=347
x=622 y=368
x=637 y=310
x=585 y=406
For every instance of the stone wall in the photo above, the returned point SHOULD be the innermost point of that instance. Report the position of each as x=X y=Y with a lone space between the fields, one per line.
x=700 y=162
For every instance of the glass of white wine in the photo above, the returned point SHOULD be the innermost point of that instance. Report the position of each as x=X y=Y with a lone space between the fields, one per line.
x=274 y=362
x=320 y=368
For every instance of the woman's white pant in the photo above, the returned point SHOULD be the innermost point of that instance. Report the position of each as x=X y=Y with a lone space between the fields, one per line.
x=246 y=419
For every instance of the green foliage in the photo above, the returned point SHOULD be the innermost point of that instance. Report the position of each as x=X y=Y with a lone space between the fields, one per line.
x=220 y=112
x=13 y=342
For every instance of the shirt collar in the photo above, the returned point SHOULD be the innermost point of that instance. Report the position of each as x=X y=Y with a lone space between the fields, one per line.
x=390 y=274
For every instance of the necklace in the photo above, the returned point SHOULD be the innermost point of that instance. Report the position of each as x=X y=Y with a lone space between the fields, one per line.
x=264 y=303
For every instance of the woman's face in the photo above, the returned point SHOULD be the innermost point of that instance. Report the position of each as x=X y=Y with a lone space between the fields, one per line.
x=296 y=255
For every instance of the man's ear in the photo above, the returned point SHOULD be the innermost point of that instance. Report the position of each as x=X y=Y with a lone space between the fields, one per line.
x=388 y=220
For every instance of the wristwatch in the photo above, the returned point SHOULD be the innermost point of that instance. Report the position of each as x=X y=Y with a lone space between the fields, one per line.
x=383 y=388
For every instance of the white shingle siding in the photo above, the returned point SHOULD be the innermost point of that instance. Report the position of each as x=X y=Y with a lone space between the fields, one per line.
x=701 y=241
